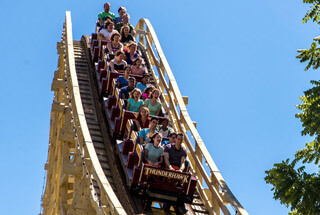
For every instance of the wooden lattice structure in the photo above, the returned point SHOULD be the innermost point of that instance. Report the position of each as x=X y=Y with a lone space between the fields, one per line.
x=83 y=176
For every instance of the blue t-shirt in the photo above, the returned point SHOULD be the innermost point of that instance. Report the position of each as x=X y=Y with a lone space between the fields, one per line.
x=117 y=19
x=125 y=91
x=129 y=60
x=154 y=153
x=141 y=86
x=144 y=133
x=134 y=106
x=123 y=82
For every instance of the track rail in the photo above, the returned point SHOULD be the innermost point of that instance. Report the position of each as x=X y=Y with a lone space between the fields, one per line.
x=217 y=194
x=80 y=175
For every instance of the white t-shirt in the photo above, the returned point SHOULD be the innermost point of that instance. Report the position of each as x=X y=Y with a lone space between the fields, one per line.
x=106 y=33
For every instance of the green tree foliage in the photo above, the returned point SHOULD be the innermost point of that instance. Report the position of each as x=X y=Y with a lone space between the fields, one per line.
x=292 y=185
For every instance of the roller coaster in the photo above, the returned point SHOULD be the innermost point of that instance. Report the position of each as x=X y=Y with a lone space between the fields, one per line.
x=91 y=169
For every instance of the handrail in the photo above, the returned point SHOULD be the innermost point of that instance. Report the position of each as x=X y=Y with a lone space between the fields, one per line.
x=94 y=164
x=218 y=191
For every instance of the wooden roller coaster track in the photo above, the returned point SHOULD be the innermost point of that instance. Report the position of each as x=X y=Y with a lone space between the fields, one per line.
x=84 y=175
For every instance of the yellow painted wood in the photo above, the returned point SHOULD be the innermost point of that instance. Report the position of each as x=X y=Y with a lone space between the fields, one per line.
x=60 y=48
x=182 y=120
x=101 y=179
x=58 y=107
x=66 y=178
x=68 y=188
x=72 y=168
x=66 y=136
x=56 y=74
x=215 y=205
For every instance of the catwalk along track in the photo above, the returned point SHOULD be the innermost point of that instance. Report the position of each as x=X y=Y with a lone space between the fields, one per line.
x=86 y=173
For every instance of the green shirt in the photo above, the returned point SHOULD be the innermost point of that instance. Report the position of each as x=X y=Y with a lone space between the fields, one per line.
x=103 y=15
x=119 y=26
x=152 y=109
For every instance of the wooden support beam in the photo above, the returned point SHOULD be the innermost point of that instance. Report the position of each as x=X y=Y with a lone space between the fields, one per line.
x=72 y=168
x=140 y=26
x=184 y=123
x=60 y=48
x=67 y=135
x=58 y=107
x=88 y=164
x=185 y=100
x=63 y=179
x=141 y=32
x=58 y=84
x=81 y=203
x=215 y=183
x=70 y=186
x=63 y=200
x=56 y=74
x=199 y=155
x=61 y=63
x=106 y=209
x=225 y=197
x=70 y=195
x=68 y=125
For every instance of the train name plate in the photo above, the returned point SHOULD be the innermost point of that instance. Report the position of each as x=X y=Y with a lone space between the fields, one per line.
x=166 y=173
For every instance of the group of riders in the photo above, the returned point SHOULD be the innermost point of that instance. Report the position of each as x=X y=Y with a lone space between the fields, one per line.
x=162 y=146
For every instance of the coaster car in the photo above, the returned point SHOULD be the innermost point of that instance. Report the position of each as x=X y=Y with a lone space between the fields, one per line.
x=162 y=184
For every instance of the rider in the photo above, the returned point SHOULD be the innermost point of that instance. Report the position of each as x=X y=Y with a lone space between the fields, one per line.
x=124 y=91
x=103 y=15
x=153 y=152
x=107 y=30
x=144 y=82
x=164 y=129
x=125 y=21
x=146 y=133
x=121 y=11
x=175 y=154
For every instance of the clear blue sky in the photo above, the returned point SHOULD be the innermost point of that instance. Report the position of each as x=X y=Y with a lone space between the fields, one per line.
x=235 y=60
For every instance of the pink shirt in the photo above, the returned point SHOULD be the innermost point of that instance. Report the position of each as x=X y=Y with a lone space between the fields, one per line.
x=145 y=96
x=137 y=71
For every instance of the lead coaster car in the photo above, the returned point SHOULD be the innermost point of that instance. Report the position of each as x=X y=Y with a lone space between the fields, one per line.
x=163 y=185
